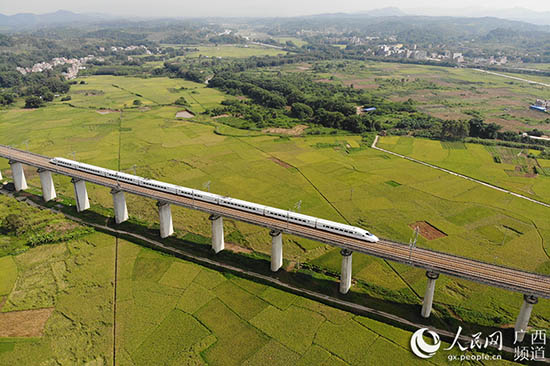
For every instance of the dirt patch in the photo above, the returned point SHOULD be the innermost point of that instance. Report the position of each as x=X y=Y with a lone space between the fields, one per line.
x=27 y=323
x=440 y=111
x=427 y=230
x=184 y=114
x=521 y=171
x=280 y=162
x=294 y=131
x=237 y=248
x=106 y=111
x=89 y=92
x=290 y=266
x=221 y=115
x=145 y=109
x=61 y=227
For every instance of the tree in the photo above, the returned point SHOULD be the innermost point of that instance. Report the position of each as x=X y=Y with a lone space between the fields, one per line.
x=480 y=129
x=181 y=101
x=33 y=102
x=12 y=224
x=454 y=130
x=7 y=98
x=47 y=96
x=301 y=111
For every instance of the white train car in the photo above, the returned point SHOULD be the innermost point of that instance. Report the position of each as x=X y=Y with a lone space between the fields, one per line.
x=123 y=177
x=288 y=216
x=65 y=162
x=184 y=191
x=242 y=205
x=206 y=196
x=92 y=169
x=159 y=186
x=347 y=230
x=276 y=213
x=301 y=219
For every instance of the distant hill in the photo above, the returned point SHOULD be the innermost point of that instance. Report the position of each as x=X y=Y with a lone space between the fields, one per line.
x=517 y=13
x=384 y=12
x=430 y=26
x=29 y=20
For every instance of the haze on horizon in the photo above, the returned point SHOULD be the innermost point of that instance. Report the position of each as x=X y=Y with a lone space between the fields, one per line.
x=262 y=8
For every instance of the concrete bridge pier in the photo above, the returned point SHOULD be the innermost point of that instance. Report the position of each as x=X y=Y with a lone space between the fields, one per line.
x=81 y=194
x=524 y=314
x=119 y=204
x=429 y=295
x=18 y=174
x=46 y=181
x=217 y=233
x=345 y=275
x=165 y=215
x=276 y=250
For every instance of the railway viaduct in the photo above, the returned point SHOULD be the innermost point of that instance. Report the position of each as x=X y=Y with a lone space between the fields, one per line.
x=531 y=285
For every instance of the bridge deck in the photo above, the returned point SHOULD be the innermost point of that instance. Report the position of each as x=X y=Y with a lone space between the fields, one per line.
x=469 y=269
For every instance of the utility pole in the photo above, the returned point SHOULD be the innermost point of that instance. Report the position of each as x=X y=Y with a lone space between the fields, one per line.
x=412 y=242
x=207 y=186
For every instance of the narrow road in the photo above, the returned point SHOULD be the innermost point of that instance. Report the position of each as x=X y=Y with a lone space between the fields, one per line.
x=513 y=77
x=488 y=185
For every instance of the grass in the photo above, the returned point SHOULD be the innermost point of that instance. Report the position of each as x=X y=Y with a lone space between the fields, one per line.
x=329 y=182
x=273 y=353
x=166 y=315
x=236 y=51
x=85 y=324
x=194 y=298
x=446 y=93
x=244 y=304
x=177 y=333
x=280 y=299
x=295 y=327
x=476 y=161
x=8 y=275
x=349 y=341
x=180 y=275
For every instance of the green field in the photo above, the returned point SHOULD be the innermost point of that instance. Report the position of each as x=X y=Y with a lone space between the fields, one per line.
x=237 y=51
x=511 y=169
x=330 y=181
x=173 y=312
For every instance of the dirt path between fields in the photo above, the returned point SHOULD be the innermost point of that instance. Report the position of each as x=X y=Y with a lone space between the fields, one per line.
x=513 y=77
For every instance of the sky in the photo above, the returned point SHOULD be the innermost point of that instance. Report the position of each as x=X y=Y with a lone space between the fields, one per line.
x=184 y=8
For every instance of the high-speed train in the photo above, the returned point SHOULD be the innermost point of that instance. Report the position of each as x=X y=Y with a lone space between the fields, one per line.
x=238 y=204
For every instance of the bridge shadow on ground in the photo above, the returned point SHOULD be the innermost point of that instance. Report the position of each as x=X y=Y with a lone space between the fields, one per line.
x=302 y=279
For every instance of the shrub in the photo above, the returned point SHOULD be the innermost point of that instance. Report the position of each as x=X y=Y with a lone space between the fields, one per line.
x=181 y=101
x=33 y=102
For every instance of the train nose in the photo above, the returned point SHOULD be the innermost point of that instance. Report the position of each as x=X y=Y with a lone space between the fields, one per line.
x=374 y=238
